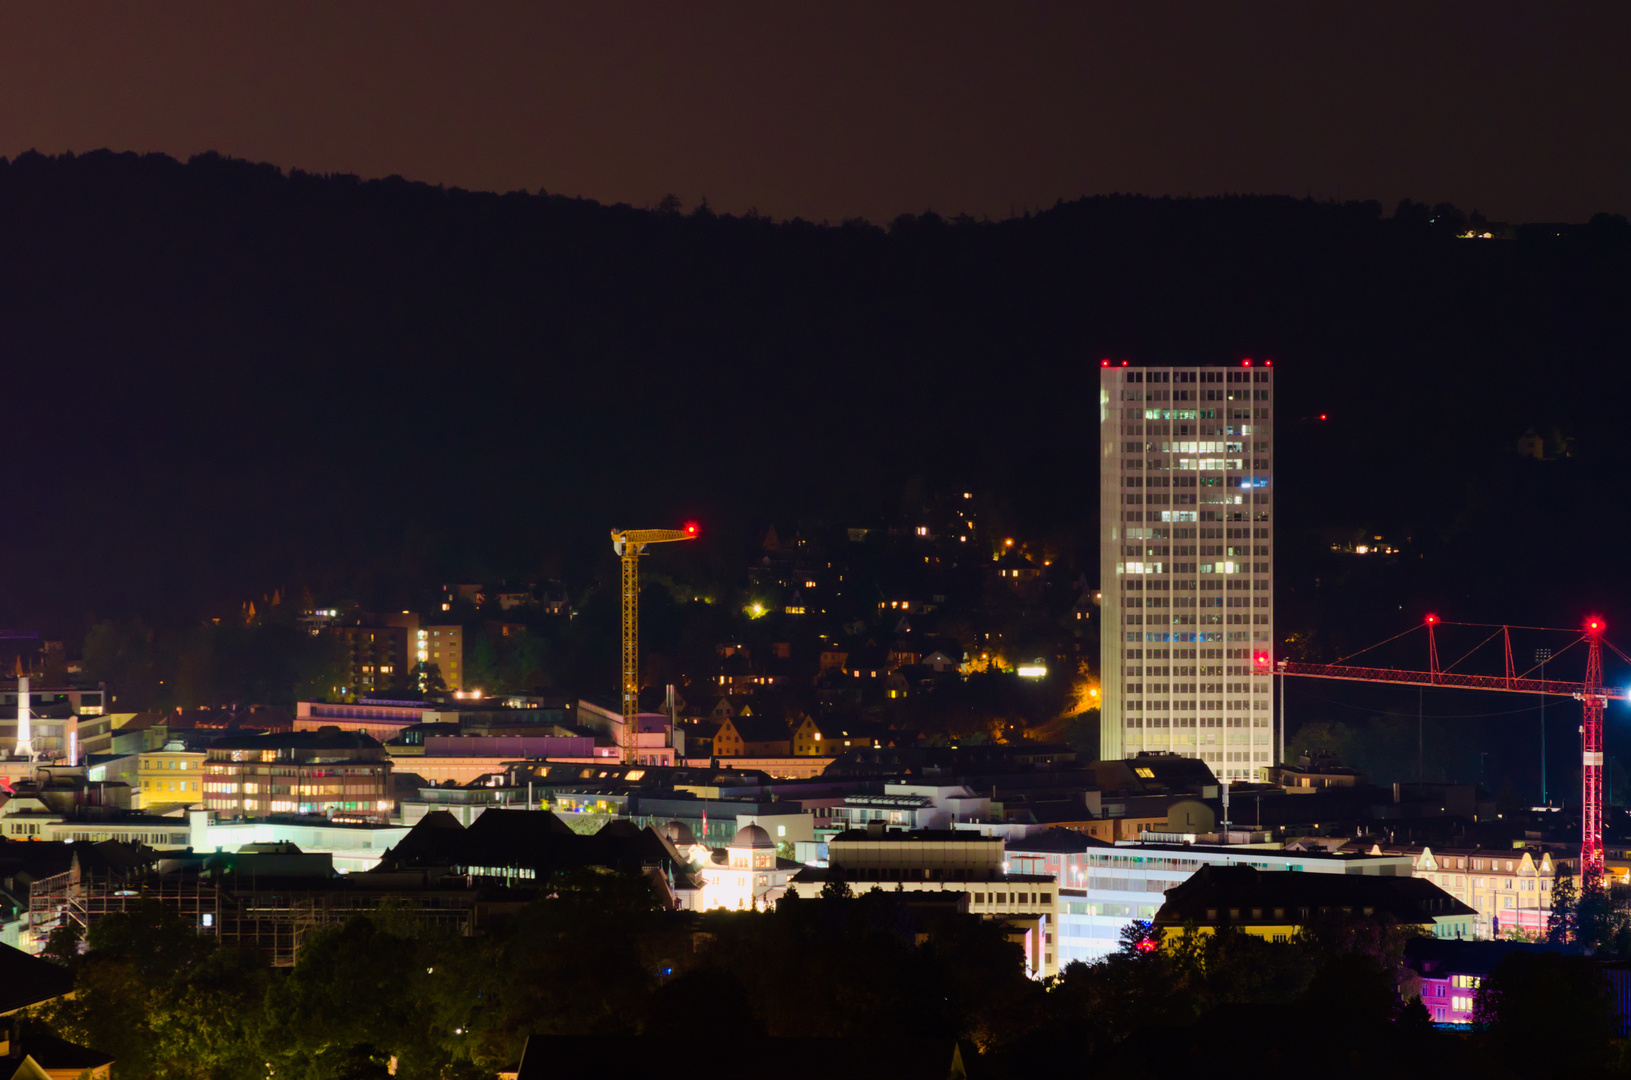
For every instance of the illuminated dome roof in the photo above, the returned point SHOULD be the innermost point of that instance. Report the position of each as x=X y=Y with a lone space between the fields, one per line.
x=751 y=836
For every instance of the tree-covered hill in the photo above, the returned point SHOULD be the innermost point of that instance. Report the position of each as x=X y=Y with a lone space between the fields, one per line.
x=224 y=379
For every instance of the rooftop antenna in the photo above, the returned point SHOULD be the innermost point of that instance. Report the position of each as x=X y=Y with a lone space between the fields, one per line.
x=1226 y=807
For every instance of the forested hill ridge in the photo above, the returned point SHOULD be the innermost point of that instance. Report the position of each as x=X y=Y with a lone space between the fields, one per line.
x=223 y=378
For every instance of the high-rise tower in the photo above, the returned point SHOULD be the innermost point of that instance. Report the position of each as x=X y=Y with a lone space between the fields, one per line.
x=1186 y=539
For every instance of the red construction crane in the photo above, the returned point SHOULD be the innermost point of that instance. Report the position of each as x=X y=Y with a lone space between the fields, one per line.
x=1593 y=697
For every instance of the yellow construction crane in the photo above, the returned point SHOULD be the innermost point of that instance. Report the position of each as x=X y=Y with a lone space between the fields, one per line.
x=630 y=544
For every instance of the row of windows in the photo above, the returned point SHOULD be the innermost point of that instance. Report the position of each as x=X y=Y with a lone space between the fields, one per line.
x=1017 y=898
x=1209 y=532
x=1146 y=376
x=1200 y=635
x=1191 y=395
x=1208 y=669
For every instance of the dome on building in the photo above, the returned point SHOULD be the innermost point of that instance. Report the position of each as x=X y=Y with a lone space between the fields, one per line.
x=679 y=834
x=751 y=836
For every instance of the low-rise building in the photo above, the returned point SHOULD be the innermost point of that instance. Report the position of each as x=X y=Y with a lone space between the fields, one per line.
x=746 y=874
x=751 y=736
x=1312 y=772
x=167 y=778
x=937 y=860
x=1276 y=904
x=1104 y=887
x=1510 y=888
x=336 y=774
x=1448 y=973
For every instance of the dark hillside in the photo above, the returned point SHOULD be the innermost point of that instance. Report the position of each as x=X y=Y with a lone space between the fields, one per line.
x=223 y=379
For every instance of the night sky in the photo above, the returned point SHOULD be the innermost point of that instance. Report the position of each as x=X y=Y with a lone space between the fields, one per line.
x=840 y=110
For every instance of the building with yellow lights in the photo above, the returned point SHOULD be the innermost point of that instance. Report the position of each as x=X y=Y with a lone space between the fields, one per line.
x=444 y=647
x=1276 y=904
x=1509 y=888
x=168 y=778
x=340 y=775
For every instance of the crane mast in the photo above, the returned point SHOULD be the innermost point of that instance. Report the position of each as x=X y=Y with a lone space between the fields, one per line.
x=1590 y=693
x=630 y=544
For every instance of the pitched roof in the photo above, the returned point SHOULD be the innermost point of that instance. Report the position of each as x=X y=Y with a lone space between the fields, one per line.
x=58 y=1055
x=749 y=1058
x=1241 y=889
x=27 y=980
x=755 y=729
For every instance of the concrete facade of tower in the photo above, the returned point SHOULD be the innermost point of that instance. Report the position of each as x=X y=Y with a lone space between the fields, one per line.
x=1186 y=541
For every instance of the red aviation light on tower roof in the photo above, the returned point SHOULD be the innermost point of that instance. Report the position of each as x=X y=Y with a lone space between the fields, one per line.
x=1104 y=363
x=1246 y=363
x=1124 y=363
x=1268 y=363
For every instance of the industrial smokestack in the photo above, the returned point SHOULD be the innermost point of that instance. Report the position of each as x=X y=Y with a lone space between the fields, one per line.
x=25 y=737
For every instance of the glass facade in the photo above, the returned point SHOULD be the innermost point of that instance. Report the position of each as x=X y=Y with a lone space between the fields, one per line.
x=1186 y=474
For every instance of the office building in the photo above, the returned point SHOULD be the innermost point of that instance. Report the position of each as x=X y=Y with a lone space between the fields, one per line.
x=1186 y=468
x=341 y=775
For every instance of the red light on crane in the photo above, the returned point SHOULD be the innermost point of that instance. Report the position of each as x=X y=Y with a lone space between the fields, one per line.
x=1431 y=619
x=691 y=527
x=1322 y=416
x=1595 y=625
x=1261 y=659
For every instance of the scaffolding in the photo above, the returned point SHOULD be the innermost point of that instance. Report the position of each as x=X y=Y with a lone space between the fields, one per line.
x=274 y=918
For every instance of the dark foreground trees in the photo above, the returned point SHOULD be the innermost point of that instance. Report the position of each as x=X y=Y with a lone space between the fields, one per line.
x=389 y=993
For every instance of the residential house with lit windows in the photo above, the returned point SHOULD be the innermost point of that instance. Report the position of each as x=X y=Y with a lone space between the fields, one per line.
x=1186 y=564
x=812 y=738
x=751 y=736
x=341 y=775
x=1509 y=888
x=1447 y=974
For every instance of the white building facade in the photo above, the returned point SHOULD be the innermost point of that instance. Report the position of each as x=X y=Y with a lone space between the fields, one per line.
x=1186 y=535
x=1102 y=889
